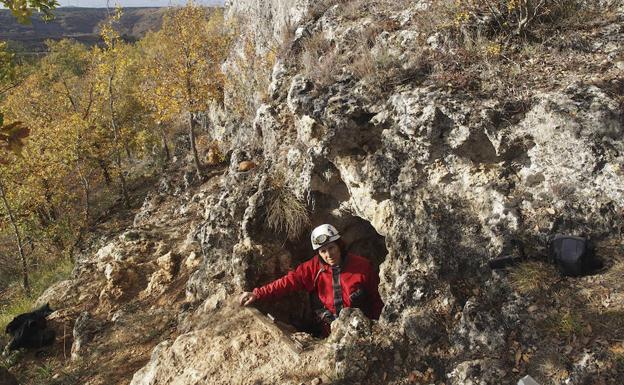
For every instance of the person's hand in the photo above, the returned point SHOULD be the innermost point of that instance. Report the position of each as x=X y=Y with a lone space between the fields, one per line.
x=247 y=298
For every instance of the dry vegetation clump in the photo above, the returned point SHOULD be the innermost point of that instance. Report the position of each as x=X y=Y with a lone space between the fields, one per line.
x=382 y=67
x=210 y=150
x=565 y=324
x=469 y=20
x=319 y=8
x=319 y=60
x=532 y=277
x=285 y=213
x=570 y=316
x=491 y=46
x=477 y=46
x=367 y=52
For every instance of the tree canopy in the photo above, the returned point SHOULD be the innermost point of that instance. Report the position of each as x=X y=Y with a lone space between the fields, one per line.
x=80 y=125
x=23 y=9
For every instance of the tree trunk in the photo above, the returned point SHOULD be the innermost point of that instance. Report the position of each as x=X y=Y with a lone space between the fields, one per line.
x=127 y=148
x=107 y=178
x=165 y=146
x=192 y=124
x=122 y=180
x=69 y=96
x=86 y=190
x=18 y=238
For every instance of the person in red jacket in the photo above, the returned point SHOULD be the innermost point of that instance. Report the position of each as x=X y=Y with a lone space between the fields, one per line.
x=338 y=278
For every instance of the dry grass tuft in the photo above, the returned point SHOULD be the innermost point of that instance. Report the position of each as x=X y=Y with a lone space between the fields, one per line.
x=379 y=66
x=318 y=59
x=285 y=213
x=532 y=277
x=381 y=70
x=503 y=20
x=565 y=324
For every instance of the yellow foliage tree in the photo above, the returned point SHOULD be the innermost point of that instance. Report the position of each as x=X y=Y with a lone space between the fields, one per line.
x=54 y=102
x=23 y=9
x=182 y=68
x=111 y=61
x=8 y=70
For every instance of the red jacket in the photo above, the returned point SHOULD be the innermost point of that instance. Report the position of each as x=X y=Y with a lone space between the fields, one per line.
x=317 y=276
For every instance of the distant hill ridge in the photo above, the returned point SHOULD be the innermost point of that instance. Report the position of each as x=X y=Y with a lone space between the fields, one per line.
x=81 y=24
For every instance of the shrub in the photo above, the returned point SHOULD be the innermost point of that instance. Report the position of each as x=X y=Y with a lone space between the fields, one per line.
x=378 y=65
x=503 y=18
x=382 y=70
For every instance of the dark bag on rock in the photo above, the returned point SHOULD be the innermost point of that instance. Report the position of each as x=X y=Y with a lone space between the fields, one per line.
x=29 y=330
x=573 y=255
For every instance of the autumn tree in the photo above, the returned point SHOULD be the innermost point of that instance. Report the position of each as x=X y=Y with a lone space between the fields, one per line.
x=8 y=69
x=23 y=9
x=161 y=114
x=57 y=169
x=12 y=135
x=111 y=61
x=182 y=67
x=11 y=141
x=88 y=114
x=40 y=187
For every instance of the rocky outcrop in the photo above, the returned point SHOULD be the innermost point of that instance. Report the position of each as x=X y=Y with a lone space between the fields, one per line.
x=229 y=346
x=430 y=182
x=85 y=328
x=268 y=19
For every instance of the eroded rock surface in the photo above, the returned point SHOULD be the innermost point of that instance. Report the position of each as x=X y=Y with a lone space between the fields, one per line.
x=443 y=179
x=430 y=182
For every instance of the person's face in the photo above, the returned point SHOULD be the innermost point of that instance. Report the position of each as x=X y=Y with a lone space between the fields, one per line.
x=331 y=254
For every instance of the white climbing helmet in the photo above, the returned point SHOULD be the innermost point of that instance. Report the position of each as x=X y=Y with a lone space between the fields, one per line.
x=322 y=235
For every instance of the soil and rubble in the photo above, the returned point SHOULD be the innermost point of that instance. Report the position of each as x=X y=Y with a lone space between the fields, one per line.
x=427 y=180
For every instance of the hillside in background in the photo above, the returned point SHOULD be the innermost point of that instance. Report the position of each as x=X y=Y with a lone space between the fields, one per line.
x=77 y=23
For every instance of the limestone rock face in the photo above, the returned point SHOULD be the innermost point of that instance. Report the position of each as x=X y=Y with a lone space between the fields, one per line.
x=167 y=267
x=477 y=372
x=349 y=333
x=213 y=353
x=268 y=18
x=85 y=329
x=480 y=329
x=430 y=183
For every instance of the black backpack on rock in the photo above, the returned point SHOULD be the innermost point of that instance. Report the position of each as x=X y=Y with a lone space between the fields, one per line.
x=573 y=255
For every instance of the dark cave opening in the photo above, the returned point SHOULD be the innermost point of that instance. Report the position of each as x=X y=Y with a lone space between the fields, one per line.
x=361 y=238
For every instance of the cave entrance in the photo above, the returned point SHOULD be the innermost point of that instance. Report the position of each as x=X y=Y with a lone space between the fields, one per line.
x=361 y=238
